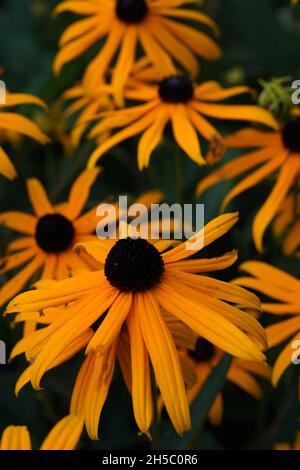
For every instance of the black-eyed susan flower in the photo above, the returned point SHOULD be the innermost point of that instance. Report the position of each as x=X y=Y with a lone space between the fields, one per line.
x=48 y=235
x=135 y=280
x=85 y=103
x=184 y=104
x=55 y=125
x=96 y=372
x=286 y=446
x=64 y=435
x=205 y=356
x=153 y=24
x=284 y=289
x=287 y=223
x=14 y=122
x=276 y=153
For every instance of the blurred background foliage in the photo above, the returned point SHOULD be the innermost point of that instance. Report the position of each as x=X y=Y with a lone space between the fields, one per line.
x=260 y=39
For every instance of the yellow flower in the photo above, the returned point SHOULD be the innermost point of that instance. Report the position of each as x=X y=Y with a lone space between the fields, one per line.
x=285 y=446
x=205 y=357
x=276 y=153
x=185 y=104
x=284 y=289
x=13 y=122
x=63 y=436
x=155 y=25
x=50 y=235
x=287 y=223
x=54 y=123
x=134 y=283
x=87 y=104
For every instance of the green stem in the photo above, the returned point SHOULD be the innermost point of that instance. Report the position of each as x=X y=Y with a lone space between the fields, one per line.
x=178 y=176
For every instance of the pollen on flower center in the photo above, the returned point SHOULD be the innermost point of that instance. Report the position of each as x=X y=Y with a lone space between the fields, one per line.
x=131 y=11
x=133 y=265
x=176 y=89
x=54 y=233
x=203 y=351
x=291 y=135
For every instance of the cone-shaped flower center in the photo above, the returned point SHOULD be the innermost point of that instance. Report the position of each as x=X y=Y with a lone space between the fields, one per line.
x=176 y=89
x=291 y=135
x=133 y=265
x=131 y=11
x=204 y=350
x=54 y=233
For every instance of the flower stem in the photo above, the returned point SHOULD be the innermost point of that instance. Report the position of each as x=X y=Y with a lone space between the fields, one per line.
x=178 y=176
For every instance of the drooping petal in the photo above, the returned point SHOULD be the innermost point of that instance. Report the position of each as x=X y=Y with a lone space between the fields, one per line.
x=124 y=63
x=284 y=360
x=6 y=167
x=165 y=361
x=141 y=382
x=251 y=180
x=185 y=134
x=207 y=323
x=283 y=330
x=234 y=168
x=15 y=438
x=266 y=213
x=16 y=283
x=112 y=323
x=64 y=435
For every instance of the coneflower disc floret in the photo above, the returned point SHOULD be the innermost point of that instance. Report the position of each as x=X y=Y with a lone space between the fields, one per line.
x=131 y=11
x=134 y=265
x=176 y=89
x=54 y=233
x=291 y=135
x=204 y=350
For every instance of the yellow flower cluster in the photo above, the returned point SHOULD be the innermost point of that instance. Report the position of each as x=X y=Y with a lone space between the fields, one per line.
x=154 y=307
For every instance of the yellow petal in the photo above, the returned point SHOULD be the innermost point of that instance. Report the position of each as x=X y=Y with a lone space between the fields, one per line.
x=165 y=361
x=141 y=383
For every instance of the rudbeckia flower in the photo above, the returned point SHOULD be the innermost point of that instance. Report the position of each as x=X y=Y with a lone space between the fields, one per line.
x=294 y=446
x=205 y=356
x=63 y=436
x=184 y=104
x=14 y=122
x=55 y=125
x=284 y=289
x=276 y=153
x=96 y=372
x=135 y=282
x=155 y=25
x=48 y=235
x=287 y=224
x=87 y=103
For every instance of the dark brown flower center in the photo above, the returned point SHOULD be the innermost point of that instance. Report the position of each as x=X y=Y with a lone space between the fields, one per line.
x=131 y=11
x=176 y=89
x=203 y=351
x=54 y=233
x=133 y=265
x=291 y=135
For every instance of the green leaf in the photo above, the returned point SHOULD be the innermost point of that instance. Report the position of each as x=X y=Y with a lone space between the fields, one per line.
x=199 y=410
